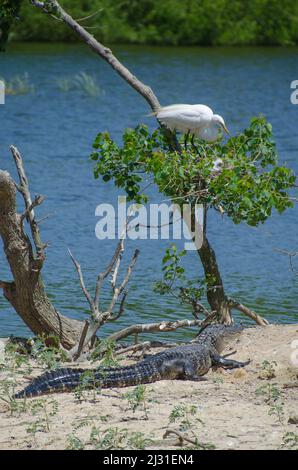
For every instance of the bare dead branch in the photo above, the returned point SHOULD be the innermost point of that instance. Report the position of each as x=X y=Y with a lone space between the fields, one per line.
x=145 y=346
x=42 y=219
x=104 y=52
x=82 y=340
x=291 y=255
x=98 y=316
x=36 y=202
x=134 y=348
x=291 y=385
x=121 y=308
x=182 y=437
x=82 y=283
x=118 y=290
x=160 y=327
x=102 y=276
x=29 y=205
x=89 y=16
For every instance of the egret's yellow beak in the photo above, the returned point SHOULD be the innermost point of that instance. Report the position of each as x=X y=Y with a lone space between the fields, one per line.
x=226 y=129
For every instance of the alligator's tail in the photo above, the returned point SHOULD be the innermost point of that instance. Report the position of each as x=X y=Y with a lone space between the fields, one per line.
x=64 y=380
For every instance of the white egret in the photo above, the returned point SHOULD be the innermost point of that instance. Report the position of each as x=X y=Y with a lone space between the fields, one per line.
x=195 y=119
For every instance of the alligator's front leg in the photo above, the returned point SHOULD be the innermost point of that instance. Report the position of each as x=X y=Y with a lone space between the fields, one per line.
x=182 y=369
x=191 y=374
x=220 y=361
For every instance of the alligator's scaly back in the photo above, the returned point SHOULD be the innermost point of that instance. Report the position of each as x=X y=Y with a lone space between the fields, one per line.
x=187 y=362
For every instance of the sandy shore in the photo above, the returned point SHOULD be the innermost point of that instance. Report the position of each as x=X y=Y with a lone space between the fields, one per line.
x=251 y=408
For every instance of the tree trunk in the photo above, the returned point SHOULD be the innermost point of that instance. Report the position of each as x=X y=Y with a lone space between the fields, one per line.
x=215 y=294
x=26 y=293
x=217 y=299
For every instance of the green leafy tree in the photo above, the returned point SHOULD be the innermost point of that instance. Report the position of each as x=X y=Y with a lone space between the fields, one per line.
x=247 y=187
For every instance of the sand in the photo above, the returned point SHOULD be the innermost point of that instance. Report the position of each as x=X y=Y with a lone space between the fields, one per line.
x=251 y=408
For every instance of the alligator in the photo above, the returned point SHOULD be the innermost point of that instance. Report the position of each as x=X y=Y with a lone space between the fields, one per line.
x=186 y=362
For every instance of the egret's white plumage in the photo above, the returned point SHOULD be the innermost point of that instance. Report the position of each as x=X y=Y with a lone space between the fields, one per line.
x=195 y=119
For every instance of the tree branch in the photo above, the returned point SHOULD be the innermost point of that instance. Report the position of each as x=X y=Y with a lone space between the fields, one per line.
x=104 y=52
x=291 y=255
x=250 y=313
x=102 y=276
x=82 y=283
x=143 y=347
x=160 y=327
x=182 y=437
x=38 y=4
x=118 y=290
x=29 y=205
x=99 y=317
x=37 y=201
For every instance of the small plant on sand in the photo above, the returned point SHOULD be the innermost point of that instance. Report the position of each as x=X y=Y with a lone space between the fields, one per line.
x=74 y=442
x=115 y=438
x=186 y=418
x=186 y=415
x=278 y=411
x=46 y=351
x=138 y=441
x=105 y=352
x=272 y=396
x=16 y=362
x=87 y=382
x=7 y=390
x=270 y=392
x=109 y=438
x=43 y=410
x=290 y=441
x=137 y=398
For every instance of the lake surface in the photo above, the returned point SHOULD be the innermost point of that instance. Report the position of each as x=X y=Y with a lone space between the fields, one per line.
x=54 y=131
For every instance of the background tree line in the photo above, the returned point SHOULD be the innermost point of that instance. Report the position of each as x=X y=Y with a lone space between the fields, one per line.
x=167 y=22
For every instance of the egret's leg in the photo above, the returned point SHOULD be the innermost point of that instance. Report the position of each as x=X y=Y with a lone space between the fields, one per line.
x=186 y=139
x=194 y=145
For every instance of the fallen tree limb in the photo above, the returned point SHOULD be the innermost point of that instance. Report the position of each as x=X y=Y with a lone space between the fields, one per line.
x=144 y=346
x=182 y=437
x=250 y=313
x=160 y=327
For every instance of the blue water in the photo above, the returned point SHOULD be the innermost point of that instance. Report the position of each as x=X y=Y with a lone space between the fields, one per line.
x=54 y=131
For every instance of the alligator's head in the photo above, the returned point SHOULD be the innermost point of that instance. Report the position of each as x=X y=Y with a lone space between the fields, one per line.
x=226 y=335
x=219 y=335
